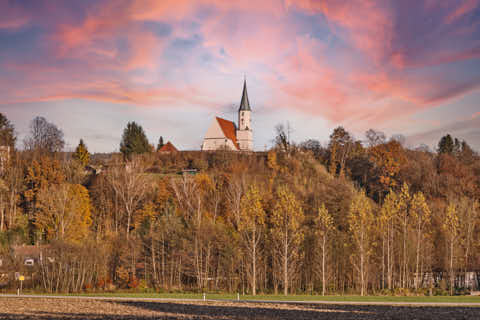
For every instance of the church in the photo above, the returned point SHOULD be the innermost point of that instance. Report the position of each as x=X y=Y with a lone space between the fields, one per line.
x=225 y=135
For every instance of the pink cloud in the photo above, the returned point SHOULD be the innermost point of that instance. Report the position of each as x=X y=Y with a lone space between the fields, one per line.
x=297 y=68
x=367 y=23
x=12 y=17
x=464 y=8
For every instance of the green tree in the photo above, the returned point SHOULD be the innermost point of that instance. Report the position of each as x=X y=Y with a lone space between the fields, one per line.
x=7 y=132
x=160 y=143
x=446 y=145
x=134 y=140
x=81 y=153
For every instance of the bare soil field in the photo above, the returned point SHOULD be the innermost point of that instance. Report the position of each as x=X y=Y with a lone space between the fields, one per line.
x=48 y=308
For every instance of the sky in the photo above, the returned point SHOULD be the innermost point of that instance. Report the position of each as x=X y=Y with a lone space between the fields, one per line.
x=406 y=67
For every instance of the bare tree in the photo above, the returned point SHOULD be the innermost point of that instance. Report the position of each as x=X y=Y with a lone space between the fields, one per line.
x=44 y=136
x=130 y=185
x=374 y=138
x=282 y=136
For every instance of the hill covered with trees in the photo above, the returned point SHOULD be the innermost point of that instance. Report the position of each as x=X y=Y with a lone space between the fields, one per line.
x=351 y=216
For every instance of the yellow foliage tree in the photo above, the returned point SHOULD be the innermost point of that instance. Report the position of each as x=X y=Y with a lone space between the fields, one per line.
x=451 y=227
x=65 y=212
x=361 y=227
x=388 y=215
x=252 y=223
x=286 y=220
x=403 y=206
x=323 y=227
x=420 y=213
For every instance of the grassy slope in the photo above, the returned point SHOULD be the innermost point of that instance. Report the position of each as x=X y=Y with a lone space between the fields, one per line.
x=435 y=299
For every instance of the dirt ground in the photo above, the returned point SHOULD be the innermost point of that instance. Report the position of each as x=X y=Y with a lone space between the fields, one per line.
x=46 y=308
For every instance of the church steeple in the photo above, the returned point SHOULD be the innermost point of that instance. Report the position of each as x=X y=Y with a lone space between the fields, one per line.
x=245 y=104
x=244 y=129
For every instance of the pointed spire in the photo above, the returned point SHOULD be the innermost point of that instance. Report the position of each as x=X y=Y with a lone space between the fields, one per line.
x=245 y=104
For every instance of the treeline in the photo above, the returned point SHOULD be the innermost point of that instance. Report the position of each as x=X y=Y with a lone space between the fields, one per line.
x=348 y=217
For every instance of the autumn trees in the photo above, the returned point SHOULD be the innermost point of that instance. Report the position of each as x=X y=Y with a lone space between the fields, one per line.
x=324 y=226
x=64 y=212
x=252 y=228
x=129 y=185
x=361 y=223
x=352 y=217
x=287 y=217
x=81 y=153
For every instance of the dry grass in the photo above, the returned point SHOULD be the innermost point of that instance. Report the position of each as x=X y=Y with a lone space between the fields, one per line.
x=47 y=308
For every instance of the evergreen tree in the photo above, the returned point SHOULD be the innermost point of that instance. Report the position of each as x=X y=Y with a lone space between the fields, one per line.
x=7 y=132
x=446 y=145
x=160 y=143
x=134 y=140
x=81 y=153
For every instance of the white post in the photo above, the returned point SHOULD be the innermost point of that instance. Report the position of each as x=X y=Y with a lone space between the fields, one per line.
x=204 y=298
x=238 y=296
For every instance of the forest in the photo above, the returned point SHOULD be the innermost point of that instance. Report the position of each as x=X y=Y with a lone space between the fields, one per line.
x=346 y=217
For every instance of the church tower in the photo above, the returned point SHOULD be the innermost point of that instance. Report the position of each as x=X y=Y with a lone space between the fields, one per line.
x=244 y=130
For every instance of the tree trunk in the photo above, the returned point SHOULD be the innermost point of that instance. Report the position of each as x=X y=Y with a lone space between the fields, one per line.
x=418 y=258
x=285 y=265
x=154 y=263
x=254 y=263
x=451 y=269
x=323 y=265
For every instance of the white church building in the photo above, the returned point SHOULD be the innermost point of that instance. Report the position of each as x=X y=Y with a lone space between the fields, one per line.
x=224 y=134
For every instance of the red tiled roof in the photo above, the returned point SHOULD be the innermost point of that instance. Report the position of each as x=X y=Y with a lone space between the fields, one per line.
x=229 y=130
x=168 y=147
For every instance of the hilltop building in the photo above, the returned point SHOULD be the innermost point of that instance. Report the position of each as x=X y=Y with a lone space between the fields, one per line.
x=168 y=148
x=225 y=135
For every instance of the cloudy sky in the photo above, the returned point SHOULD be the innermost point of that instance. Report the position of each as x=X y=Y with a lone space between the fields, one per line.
x=409 y=67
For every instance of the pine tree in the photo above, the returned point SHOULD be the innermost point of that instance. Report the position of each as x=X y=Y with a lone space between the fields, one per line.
x=446 y=145
x=134 y=140
x=81 y=153
x=7 y=132
x=160 y=143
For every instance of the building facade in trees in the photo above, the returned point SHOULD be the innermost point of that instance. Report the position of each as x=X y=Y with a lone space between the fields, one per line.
x=224 y=134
